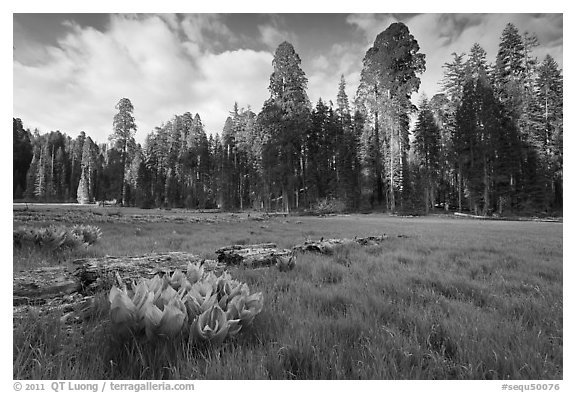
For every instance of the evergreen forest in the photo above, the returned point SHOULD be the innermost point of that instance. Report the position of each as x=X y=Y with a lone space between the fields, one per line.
x=490 y=143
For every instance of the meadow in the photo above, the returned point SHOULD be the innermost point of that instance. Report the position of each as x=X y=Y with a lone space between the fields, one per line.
x=448 y=299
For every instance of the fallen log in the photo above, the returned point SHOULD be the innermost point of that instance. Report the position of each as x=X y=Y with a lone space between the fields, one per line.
x=35 y=287
x=93 y=272
x=256 y=256
x=329 y=246
x=89 y=275
x=464 y=215
x=69 y=290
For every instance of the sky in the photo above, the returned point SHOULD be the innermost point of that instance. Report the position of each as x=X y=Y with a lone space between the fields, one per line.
x=70 y=70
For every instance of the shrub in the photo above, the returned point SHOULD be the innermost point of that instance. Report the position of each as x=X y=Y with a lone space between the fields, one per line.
x=56 y=238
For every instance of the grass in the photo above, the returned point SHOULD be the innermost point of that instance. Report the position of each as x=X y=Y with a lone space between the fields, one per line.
x=454 y=299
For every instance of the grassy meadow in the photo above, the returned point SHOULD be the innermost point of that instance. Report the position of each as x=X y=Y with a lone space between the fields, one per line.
x=449 y=299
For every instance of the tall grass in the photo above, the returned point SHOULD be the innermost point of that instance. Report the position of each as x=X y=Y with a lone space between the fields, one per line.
x=453 y=300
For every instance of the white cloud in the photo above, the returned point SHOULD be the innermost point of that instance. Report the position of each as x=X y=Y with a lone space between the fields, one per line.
x=274 y=33
x=206 y=30
x=144 y=59
x=324 y=79
x=320 y=62
x=241 y=75
x=371 y=24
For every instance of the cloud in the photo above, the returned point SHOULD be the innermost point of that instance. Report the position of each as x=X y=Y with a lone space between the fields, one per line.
x=207 y=30
x=147 y=60
x=241 y=75
x=326 y=70
x=320 y=62
x=274 y=33
x=371 y=24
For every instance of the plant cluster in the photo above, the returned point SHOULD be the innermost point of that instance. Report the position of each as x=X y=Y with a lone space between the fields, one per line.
x=202 y=305
x=57 y=238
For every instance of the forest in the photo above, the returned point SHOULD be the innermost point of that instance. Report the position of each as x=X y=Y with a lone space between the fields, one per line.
x=490 y=143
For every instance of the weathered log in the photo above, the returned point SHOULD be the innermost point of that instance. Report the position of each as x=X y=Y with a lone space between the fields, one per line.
x=370 y=240
x=256 y=255
x=69 y=290
x=329 y=246
x=39 y=285
x=235 y=247
x=93 y=274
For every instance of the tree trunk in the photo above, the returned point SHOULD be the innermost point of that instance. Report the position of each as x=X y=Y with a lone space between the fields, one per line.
x=122 y=184
x=486 y=188
x=378 y=161
x=285 y=200
x=427 y=199
x=391 y=180
x=459 y=187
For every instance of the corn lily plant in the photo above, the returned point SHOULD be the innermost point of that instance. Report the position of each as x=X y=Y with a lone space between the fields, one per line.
x=194 y=272
x=167 y=322
x=245 y=308
x=211 y=326
x=200 y=298
x=211 y=308
x=159 y=313
x=227 y=289
x=122 y=311
x=57 y=238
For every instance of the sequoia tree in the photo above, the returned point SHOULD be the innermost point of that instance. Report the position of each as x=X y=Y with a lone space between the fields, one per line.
x=123 y=138
x=388 y=79
x=284 y=118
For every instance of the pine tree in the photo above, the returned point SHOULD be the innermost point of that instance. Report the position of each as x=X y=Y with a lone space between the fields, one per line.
x=510 y=64
x=40 y=187
x=32 y=173
x=342 y=100
x=348 y=146
x=548 y=124
x=444 y=117
x=228 y=175
x=455 y=76
x=485 y=142
x=76 y=147
x=454 y=79
x=21 y=157
x=61 y=173
x=427 y=148
x=476 y=64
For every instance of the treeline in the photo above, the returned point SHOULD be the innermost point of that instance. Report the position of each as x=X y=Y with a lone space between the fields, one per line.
x=490 y=142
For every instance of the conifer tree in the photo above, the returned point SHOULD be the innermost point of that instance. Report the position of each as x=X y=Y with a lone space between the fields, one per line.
x=21 y=157
x=123 y=139
x=388 y=78
x=284 y=118
x=427 y=149
x=548 y=124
